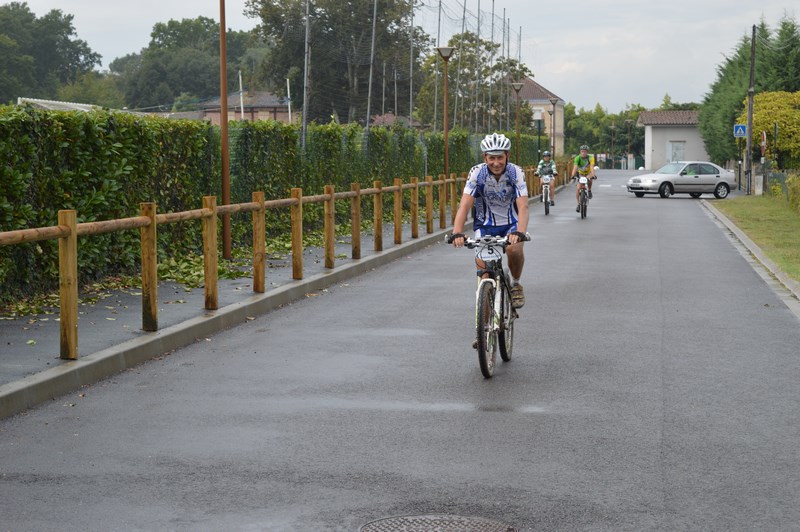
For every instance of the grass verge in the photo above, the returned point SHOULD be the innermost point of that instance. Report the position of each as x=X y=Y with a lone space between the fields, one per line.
x=772 y=224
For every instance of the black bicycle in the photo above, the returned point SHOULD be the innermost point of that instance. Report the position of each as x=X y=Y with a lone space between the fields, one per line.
x=583 y=194
x=494 y=315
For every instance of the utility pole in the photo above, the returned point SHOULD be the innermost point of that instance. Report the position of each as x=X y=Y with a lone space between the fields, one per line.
x=748 y=165
x=410 y=69
x=305 y=81
x=371 y=64
x=223 y=128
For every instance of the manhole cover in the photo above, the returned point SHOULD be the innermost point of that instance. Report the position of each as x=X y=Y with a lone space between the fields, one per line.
x=436 y=523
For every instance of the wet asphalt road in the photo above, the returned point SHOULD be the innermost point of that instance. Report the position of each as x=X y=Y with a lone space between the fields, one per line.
x=653 y=387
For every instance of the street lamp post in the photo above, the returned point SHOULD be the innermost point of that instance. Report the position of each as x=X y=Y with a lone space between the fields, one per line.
x=554 y=101
x=613 y=127
x=628 y=122
x=517 y=86
x=538 y=117
x=445 y=52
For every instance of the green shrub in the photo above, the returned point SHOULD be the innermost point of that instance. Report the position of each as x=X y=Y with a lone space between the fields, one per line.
x=104 y=164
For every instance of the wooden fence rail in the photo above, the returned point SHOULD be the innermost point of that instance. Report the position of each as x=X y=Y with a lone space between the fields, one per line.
x=68 y=230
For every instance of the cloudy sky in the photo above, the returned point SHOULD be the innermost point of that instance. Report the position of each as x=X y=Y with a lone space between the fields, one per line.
x=611 y=52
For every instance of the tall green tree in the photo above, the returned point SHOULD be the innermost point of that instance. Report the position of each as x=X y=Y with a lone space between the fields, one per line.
x=93 y=88
x=479 y=92
x=340 y=50
x=181 y=60
x=594 y=128
x=777 y=68
x=40 y=53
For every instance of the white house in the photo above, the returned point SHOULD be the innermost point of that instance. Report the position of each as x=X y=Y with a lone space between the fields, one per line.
x=671 y=136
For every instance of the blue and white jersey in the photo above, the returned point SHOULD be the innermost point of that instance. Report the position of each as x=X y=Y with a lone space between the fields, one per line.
x=495 y=199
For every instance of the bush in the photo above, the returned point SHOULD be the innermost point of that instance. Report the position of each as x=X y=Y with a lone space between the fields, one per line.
x=102 y=165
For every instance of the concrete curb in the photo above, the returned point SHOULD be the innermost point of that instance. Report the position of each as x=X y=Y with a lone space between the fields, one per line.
x=18 y=396
x=790 y=284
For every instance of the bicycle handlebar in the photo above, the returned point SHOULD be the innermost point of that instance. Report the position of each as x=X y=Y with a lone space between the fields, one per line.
x=472 y=243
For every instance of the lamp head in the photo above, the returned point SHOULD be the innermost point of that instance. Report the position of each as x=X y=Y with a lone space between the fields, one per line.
x=445 y=51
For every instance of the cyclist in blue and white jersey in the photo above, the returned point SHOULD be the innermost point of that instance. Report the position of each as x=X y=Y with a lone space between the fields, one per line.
x=496 y=189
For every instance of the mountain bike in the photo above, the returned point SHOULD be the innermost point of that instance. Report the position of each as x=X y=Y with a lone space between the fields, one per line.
x=546 y=198
x=494 y=315
x=583 y=195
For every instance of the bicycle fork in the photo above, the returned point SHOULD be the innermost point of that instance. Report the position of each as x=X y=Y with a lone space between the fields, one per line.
x=496 y=303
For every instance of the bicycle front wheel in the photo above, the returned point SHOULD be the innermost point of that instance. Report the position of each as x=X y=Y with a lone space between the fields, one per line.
x=484 y=322
x=505 y=336
x=546 y=202
x=584 y=201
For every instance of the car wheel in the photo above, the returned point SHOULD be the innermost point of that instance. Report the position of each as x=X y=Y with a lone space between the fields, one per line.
x=639 y=194
x=721 y=191
x=695 y=194
x=665 y=190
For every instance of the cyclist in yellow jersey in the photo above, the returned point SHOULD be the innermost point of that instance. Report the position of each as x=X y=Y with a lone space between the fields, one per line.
x=583 y=165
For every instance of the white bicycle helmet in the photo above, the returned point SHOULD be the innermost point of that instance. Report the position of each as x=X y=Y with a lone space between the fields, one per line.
x=495 y=144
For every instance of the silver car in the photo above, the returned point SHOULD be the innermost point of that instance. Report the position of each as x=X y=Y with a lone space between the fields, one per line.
x=685 y=177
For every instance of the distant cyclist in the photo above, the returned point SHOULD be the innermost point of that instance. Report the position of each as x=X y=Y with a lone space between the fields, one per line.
x=547 y=167
x=497 y=190
x=583 y=165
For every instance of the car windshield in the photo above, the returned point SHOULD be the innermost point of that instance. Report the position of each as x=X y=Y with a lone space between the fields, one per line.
x=670 y=168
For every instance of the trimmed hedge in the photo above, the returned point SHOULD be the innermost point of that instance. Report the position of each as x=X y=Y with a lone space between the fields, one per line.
x=103 y=164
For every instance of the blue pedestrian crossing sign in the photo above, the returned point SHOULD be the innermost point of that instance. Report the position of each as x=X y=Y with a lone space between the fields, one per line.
x=740 y=130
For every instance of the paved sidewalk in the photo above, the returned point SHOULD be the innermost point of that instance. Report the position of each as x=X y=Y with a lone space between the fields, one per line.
x=110 y=337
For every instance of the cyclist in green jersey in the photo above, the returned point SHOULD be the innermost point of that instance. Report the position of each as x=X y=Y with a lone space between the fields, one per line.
x=547 y=167
x=583 y=165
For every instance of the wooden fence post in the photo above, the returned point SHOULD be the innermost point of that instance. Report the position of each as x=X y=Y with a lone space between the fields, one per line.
x=377 y=216
x=442 y=202
x=355 y=221
x=398 y=211
x=68 y=285
x=415 y=207
x=259 y=244
x=429 y=204
x=297 y=234
x=329 y=226
x=210 y=253
x=149 y=254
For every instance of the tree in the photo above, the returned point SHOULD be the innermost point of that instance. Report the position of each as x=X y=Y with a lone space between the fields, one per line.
x=593 y=128
x=781 y=109
x=479 y=88
x=93 y=88
x=182 y=58
x=340 y=44
x=777 y=68
x=668 y=105
x=42 y=49
x=16 y=70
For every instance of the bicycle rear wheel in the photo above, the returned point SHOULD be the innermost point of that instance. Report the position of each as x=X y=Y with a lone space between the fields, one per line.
x=505 y=337
x=484 y=322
